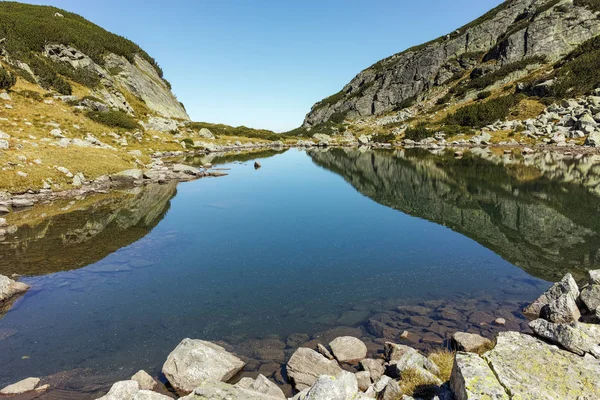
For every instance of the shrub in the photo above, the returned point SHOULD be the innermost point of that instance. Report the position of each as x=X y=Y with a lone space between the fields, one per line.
x=383 y=138
x=579 y=72
x=484 y=95
x=116 y=119
x=417 y=133
x=593 y=5
x=481 y=114
x=444 y=99
x=30 y=94
x=7 y=80
x=406 y=103
x=47 y=76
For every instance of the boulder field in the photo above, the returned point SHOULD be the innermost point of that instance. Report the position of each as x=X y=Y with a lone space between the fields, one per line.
x=559 y=360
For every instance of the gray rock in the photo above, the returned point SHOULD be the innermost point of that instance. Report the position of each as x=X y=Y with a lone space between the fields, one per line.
x=206 y=134
x=348 y=349
x=186 y=169
x=130 y=390
x=262 y=385
x=222 y=391
x=393 y=351
x=413 y=360
x=374 y=367
x=593 y=139
x=127 y=176
x=391 y=391
x=561 y=310
x=323 y=350
x=145 y=381
x=306 y=365
x=594 y=277
x=566 y=285
x=472 y=379
x=10 y=288
x=590 y=296
x=194 y=361
x=569 y=336
x=531 y=369
x=363 y=378
x=343 y=386
x=470 y=342
x=24 y=386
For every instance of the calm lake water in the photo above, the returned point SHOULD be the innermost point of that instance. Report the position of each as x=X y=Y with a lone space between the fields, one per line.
x=309 y=246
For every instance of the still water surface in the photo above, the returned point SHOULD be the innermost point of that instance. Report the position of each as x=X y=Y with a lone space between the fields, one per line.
x=307 y=243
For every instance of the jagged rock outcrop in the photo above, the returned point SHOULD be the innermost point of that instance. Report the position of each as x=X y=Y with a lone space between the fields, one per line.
x=513 y=31
x=139 y=78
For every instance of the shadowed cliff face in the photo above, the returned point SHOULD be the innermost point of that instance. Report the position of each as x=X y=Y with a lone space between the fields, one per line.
x=66 y=236
x=538 y=213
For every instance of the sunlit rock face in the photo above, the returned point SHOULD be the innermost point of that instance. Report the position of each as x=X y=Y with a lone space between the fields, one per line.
x=69 y=235
x=537 y=212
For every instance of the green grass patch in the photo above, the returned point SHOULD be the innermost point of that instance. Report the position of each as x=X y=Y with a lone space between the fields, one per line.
x=243 y=131
x=115 y=119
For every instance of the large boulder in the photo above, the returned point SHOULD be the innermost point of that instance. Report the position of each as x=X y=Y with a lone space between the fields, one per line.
x=262 y=385
x=561 y=310
x=567 y=285
x=195 y=361
x=472 y=379
x=470 y=342
x=348 y=349
x=306 y=365
x=531 y=369
x=577 y=337
x=343 y=386
x=223 y=391
x=144 y=379
x=10 y=288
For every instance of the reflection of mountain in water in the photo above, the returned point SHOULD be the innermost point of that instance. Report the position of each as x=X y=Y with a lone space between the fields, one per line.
x=62 y=237
x=540 y=213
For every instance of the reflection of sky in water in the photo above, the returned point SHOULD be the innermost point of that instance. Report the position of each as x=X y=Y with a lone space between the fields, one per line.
x=287 y=248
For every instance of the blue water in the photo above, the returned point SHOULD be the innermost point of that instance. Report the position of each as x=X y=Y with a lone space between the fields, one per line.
x=259 y=253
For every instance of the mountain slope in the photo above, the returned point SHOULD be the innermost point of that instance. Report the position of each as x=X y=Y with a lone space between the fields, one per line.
x=528 y=34
x=45 y=45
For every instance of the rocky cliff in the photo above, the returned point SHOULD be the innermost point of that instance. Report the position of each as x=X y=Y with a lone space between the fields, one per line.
x=527 y=34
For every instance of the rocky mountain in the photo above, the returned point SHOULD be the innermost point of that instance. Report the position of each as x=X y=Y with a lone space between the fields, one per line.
x=50 y=47
x=517 y=39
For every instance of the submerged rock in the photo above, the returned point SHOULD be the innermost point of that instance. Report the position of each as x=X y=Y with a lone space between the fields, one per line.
x=195 y=361
x=306 y=365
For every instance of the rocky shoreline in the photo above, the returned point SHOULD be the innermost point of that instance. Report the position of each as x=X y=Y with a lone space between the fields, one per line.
x=559 y=360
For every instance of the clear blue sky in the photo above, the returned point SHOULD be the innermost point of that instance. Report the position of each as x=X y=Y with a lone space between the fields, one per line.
x=264 y=63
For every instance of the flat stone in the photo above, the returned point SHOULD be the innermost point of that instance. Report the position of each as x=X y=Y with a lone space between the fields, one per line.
x=472 y=379
x=195 y=361
x=24 y=386
x=531 y=369
x=348 y=349
x=306 y=365
x=470 y=342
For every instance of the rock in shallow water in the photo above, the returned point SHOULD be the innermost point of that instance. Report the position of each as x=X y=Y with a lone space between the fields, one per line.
x=348 y=349
x=10 y=288
x=24 y=386
x=195 y=361
x=470 y=342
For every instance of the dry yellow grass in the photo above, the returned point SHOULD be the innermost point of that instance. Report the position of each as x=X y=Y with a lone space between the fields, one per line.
x=527 y=108
x=413 y=383
x=444 y=359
